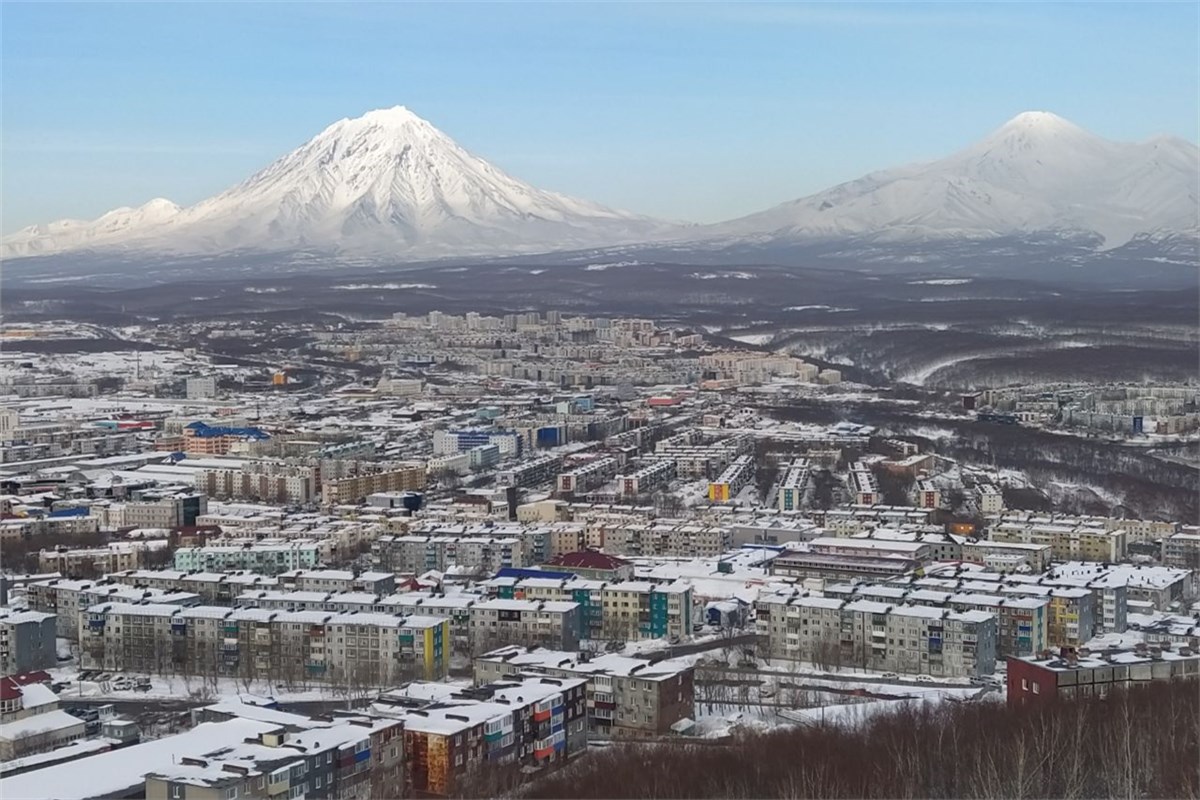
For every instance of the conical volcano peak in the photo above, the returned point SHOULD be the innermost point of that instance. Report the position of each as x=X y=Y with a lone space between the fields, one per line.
x=387 y=182
x=1045 y=120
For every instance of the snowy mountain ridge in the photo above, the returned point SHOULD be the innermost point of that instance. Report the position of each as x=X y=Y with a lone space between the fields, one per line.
x=389 y=186
x=1037 y=173
x=386 y=183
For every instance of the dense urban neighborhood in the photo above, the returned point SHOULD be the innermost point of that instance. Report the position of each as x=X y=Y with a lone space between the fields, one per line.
x=442 y=555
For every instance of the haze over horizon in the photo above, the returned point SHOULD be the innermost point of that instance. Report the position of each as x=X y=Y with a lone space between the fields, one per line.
x=698 y=113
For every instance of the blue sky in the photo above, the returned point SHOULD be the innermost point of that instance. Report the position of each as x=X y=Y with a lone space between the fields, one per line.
x=698 y=112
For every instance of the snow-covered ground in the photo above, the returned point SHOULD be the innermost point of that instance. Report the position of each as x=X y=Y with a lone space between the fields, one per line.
x=752 y=338
x=191 y=688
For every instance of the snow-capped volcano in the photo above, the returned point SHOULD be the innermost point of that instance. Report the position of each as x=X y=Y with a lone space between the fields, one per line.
x=1037 y=173
x=385 y=183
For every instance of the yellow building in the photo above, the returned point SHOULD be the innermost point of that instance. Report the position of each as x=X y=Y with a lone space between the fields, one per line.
x=427 y=639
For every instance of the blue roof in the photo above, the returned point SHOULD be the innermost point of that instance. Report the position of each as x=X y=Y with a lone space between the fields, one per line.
x=206 y=431
x=74 y=511
x=521 y=573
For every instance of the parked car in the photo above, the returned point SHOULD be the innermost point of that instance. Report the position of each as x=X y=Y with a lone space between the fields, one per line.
x=925 y=678
x=890 y=676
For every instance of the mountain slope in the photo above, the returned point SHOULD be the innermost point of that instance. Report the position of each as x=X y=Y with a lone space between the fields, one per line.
x=386 y=183
x=1038 y=173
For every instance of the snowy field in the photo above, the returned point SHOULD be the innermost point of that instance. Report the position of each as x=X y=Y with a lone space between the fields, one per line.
x=187 y=688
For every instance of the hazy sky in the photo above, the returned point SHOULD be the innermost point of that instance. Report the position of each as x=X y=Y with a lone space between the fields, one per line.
x=697 y=112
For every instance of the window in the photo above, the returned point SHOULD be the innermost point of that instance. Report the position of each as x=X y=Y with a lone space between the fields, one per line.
x=1024 y=685
x=1037 y=688
x=176 y=791
x=317 y=781
x=231 y=793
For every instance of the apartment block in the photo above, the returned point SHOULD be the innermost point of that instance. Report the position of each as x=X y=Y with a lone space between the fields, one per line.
x=546 y=623
x=666 y=537
x=420 y=554
x=1022 y=622
x=1182 y=550
x=347 y=760
x=647 y=478
x=841 y=567
x=262 y=481
x=216 y=588
x=878 y=636
x=95 y=561
x=368 y=650
x=536 y=472
x=862 y=484
x=27 y=641
x=1074 y=542
x=534 y=722
x=927 y=495
x=354 y=490
x=1069 y=674
x=990 y=499
x=737 y=476
x=69 y=600
x=622 y=610
x=581 y=479
x=627 y=696
x=266 y=559
x=337 y=580
x=1005 y=557
x=794 y=486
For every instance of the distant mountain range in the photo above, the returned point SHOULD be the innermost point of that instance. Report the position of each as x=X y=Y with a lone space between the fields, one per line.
x=389 y=187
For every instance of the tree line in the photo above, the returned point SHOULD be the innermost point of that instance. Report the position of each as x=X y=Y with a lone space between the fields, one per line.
x=1143 y=742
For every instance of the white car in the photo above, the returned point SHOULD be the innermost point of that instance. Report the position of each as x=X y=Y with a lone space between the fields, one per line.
x=889 y=676
x=924 y=679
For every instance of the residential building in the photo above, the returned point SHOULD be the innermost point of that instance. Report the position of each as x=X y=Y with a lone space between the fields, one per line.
x=627 y=696
x=354 y=649
x=1182 y=550
x=69 y=600
x=533 y=722
x=355 y=489
x=32 y=722
x=262 y=481
x=863 y=484
x=1044 y=678
x=199 y=438
x=536 y=472
x=1004 y=557
x=737 y=476
x=337 y=580
x=841 y=567
x=96 y=561
x=592 y=564
x=27 y=641
x=583 y=478
x=498 y=622
x=927 y=494
x=646 y=478
x=215 y=588
x=419 y=554
x=267 y=559
x=795 y=485
x=1073 y=542
x=878 y=636
x=202 y=388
